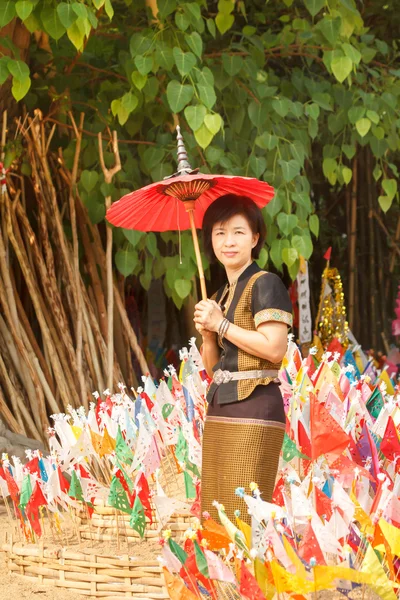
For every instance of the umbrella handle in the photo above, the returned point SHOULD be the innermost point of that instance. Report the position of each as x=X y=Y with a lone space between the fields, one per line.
x=197 y=252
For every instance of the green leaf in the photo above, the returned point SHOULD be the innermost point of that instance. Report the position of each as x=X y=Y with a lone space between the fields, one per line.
x=267 y=141
x=258 y=164
x=195 y=116
x=51 y=23
x=385 y=203
x=303 y=199
x=363 y=126
x=289 y=255
x=314 y=6
x=165 y=8
x=312 y=110
x=138 y=80
x=313 y=223
x=207 y=95
x=126 y=261
x=330 y=28
x=262 y=260
x=353 y=54
x=183 y=288
x=66 y=14
x=257 y=113
x=76 y=36
x=390 y=187
x=347 y=174
x=298 y=152
x=281 y=106
x=355 y=113
x=213 y=123
x=290 y=169
x=341 y=67
x=18 y=69
x=4 y=72
x=195 y=43
x=232 y=64
x=23 y=9
x=203 y=136
x=287 y=222
x=133 y=236
x=182 y=20
x=164 y=56
x=185 y=61
x=329 y=167
x=377 y=173
x=20 y=87
x=79 y=9
x=89 y=180
x=144 y=64
x=109 y=9
x=373 y=116
x=323 y=100
x=303 y=245
x=378 y=147
x=151 y=243
x=178 y=95
x=349 y=150
x=224 y=22
x=7 y=12
x=277 y=248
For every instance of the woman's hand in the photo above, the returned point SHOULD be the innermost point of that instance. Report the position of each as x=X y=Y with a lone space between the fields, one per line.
x=208 y=315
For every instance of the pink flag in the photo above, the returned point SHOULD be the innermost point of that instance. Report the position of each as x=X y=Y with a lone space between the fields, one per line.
x=217 y=568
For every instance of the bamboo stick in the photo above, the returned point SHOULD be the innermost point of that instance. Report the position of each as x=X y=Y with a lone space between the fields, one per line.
x=108 y=177
x=371 y=247
x=352 y=244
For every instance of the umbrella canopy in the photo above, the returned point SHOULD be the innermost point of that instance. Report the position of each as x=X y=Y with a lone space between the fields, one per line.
x=180 y=201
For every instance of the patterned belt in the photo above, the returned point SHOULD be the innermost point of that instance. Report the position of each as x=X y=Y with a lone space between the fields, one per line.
x=221 y=376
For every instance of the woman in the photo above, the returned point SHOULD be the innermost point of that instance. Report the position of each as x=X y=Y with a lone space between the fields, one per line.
x=244 y=329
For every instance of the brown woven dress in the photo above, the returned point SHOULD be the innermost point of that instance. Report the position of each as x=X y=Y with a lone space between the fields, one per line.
x=245 y=422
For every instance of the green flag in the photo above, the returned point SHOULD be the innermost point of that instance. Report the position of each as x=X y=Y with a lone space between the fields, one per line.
x=375 y=403
x=177 y=551
x=290 y=450
x=201 y=560
x=167 y=410
x=75 y=488
x=181 y=449
x=128 y=480
x=117 y=497
x=122 y=450
x=26 y=492
x=138 y=518
x=189 y=486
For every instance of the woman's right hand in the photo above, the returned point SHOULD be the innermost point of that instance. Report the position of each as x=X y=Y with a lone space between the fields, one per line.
x=205 y=333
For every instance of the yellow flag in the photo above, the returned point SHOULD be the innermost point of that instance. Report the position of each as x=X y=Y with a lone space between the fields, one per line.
x=392 y=534
x=329 y=574
x=380 y=583
x=361 y=516
x=107 y=444
x=77 y=431
x=386 y=379
x=96 y=441
x=300 y=568
x=245 y=529
x=286 y=582
x=261 y=574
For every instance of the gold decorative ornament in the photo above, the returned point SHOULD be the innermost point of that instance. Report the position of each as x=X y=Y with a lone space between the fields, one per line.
x=331 y=320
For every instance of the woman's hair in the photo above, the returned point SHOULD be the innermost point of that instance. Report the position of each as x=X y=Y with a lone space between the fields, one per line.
x=225 y=208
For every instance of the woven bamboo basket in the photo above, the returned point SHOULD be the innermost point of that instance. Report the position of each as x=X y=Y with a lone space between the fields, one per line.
x=106 y=523
x=87 y=574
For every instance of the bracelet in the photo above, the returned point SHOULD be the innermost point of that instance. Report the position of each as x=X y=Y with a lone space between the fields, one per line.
x=223 y=328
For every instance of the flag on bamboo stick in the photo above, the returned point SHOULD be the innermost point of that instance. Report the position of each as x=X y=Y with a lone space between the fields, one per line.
x=117 y=497
x=107 y=444
x=177 y=590
x=32 y=508
x=217 y=569
x=138 y=518
x=122 y=450
x=249 y=587
x=290 y=450
x=177 y=551
x=323 y=504
x=390 y=446
x=309 y=547
x=201 y=560
x=26 y=492
x=326 y=434
x=190 y=488
x=75 y=488
x=11 y=485
x=380 y=583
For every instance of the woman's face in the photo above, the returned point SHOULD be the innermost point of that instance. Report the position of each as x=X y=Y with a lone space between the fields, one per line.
x=233 y=242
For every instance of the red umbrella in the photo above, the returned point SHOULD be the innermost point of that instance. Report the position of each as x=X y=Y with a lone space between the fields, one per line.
x=180 y=201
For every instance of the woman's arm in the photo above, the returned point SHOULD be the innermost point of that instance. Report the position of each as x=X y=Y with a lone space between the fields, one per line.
x=268 y=342
x=210 y=351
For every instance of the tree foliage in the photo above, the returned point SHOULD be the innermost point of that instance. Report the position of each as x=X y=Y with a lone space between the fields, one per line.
x=286 y=91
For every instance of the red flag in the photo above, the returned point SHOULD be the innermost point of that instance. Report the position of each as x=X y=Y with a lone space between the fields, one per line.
x=327 y=255
x=310 y=548
x=346 y=466
x=195 y=509
x=146 y=398
x=33 y=466
x=390 y=446
x=119 y=475
x=144 y=495
x=336 y=346
x=85 y=474
x=277 y=496
x=64 y=485
x=32 y=508
x=326 y=434
x=323 y=504
x=249 y=587
x=304 y=440
x=11 y=485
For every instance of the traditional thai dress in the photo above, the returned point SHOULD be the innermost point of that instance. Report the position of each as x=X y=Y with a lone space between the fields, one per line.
x=245 y=423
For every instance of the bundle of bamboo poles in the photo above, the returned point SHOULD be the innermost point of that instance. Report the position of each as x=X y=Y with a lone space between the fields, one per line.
x=64 y=329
